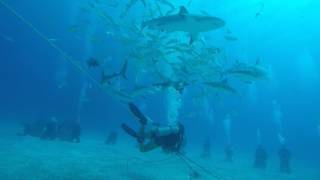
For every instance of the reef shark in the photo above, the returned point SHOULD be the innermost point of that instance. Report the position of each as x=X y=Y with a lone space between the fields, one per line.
x=249 y=73
x=185 y=22
x=222 y=86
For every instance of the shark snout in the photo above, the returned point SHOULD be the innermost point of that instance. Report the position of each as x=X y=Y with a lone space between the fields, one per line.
x=218 y=23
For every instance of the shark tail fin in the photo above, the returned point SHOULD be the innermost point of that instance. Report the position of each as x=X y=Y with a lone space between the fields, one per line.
x=123 y=72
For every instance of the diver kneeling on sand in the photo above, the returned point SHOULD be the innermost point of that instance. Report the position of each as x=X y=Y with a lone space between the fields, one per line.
x=169 y=137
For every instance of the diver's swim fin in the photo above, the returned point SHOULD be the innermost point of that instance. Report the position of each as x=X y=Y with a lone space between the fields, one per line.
x=134 y=109
x=129 y=131
x=132 y=133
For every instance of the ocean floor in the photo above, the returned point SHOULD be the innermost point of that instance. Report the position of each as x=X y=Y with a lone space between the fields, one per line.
x=28 y=158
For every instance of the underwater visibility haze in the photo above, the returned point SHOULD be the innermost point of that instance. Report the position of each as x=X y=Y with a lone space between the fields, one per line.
x=160 y=89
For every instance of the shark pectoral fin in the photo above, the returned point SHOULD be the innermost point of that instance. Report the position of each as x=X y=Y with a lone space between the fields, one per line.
x=193 y=37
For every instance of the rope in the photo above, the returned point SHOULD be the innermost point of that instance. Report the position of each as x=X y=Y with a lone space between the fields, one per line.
x=82 y=70
x=59 y=50
x=189 y=161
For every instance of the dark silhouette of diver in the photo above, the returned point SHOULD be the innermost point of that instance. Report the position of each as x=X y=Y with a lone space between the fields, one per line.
x=261 y=156
x=206 y=151
x=75 y=131
x=33 y=128
x=50 y=131
x=285 y=158
x=169 y=138
x=70 y=131
x=112 y=138
x=228 y=153
x=93 y=62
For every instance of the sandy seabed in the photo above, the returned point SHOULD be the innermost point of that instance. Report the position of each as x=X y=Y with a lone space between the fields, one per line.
x=28 y=158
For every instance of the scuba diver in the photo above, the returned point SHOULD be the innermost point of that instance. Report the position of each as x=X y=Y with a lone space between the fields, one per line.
x=170 y=138
x=285 y=157
x=151 y=136
x=75 y=131
x=261 y=157
x=70 y=130
x=228 y=153
x=206 y=151
x=112 y=138
x=50 y=131
x=33 y=128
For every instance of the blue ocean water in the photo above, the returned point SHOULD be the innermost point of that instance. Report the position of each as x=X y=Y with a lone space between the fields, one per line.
x=38 y=82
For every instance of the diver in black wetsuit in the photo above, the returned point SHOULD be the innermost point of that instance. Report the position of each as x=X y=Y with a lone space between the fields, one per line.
x=50 y=130
x=261 y=157
x=70 y=130
x=33 y=128
x=75 y=131
x=169 y=138
x=285 y=158
x=112 y=138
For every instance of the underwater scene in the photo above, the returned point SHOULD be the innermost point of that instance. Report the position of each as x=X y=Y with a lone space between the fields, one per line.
x=159 y=90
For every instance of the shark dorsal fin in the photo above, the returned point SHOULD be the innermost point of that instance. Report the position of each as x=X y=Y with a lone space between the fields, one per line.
x=183 y=10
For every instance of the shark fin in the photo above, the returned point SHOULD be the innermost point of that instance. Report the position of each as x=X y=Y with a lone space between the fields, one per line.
x=193 y=37
x=143 y=25
x=106 y=78
x=159 y=9
x=205 y=13
x=183 y=11
x=123 y=72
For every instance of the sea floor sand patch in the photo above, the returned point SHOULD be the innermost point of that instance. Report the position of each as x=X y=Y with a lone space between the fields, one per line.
x=31 y=158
